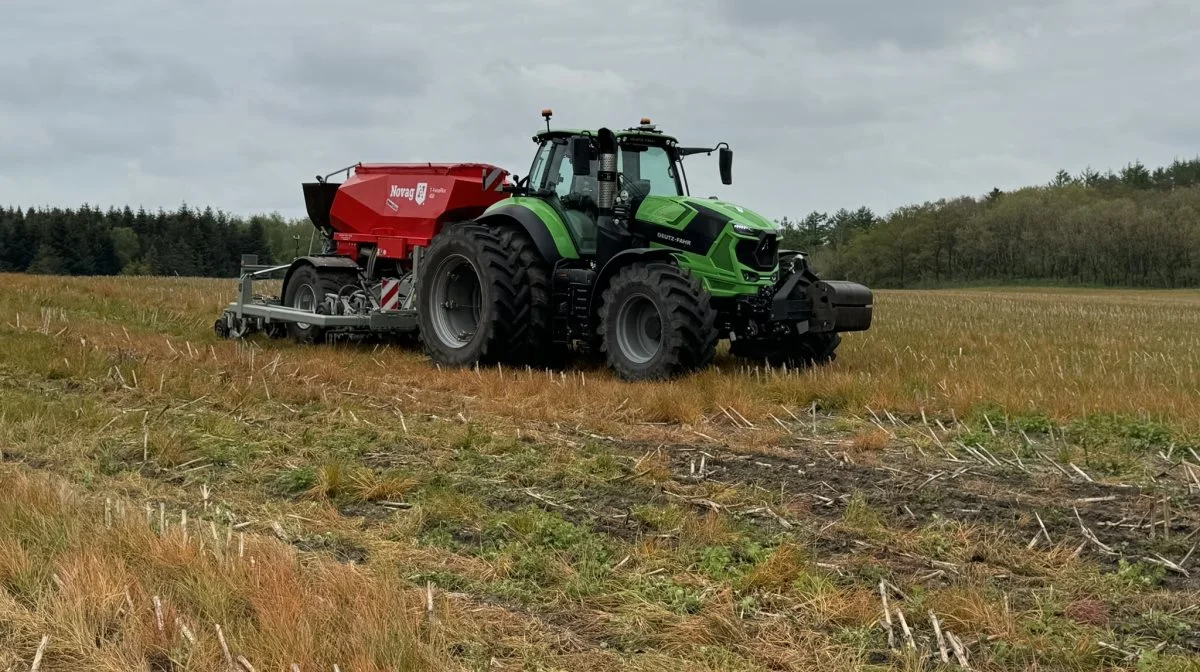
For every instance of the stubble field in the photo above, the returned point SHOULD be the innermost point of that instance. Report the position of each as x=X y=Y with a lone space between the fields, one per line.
x=1014 y=473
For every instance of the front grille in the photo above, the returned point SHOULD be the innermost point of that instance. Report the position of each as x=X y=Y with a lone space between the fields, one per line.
x=761 y=254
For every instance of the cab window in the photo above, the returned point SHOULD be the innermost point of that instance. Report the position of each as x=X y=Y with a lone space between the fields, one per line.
x=648 y=170
x=576 y=195
x=561 y=177
x=537 y=173
x=563 y=181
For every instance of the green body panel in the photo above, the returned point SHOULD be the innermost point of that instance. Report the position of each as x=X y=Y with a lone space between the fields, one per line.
x=675 y=212
x=549 y=216
x=718 y=268
x=735 y=212
x=716 y=277
x=668 y=211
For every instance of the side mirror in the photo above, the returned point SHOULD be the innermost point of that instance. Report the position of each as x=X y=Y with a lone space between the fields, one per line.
x=581 y=156
x=725 y=160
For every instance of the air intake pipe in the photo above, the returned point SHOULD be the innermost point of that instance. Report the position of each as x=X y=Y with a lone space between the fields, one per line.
x=612 y=237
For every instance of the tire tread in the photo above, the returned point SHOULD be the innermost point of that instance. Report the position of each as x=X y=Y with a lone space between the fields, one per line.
x=519 y=287
x=689 y=321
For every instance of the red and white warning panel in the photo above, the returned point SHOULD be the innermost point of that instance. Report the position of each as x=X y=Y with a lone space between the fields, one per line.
x=389 y=296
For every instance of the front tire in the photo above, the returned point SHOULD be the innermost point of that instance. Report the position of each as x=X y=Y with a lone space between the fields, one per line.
x=656 y=323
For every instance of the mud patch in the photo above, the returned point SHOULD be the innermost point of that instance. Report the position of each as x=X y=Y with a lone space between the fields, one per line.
x=910 y=490
x=340 y=549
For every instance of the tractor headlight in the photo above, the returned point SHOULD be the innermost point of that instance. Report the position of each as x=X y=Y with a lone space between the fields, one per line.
x=745 y=230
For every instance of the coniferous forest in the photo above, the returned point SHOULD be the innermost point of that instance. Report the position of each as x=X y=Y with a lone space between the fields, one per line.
x=1136 y=227
x=186 y=241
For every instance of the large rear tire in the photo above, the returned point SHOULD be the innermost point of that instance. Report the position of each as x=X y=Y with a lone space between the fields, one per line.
x=534 y=346
x=306 y=290
x=657 y=322
x=483 y=297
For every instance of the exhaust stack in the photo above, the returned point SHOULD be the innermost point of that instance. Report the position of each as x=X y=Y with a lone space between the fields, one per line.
x=610 y=235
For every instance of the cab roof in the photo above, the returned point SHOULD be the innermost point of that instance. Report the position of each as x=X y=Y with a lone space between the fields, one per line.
x=643 y=132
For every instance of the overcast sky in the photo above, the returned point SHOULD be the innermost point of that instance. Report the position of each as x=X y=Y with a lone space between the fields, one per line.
x=826 y=103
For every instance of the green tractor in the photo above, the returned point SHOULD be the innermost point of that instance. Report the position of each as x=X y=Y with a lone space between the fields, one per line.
x=601 y=249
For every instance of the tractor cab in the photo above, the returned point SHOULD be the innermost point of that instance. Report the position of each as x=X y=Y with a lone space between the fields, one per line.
x=565 y=171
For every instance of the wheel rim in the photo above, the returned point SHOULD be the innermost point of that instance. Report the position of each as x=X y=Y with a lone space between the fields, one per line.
x=639 y=329
x=305 y=299
x=456 y=301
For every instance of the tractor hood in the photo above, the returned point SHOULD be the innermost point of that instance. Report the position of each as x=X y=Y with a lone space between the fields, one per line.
x=708 y=215
x=736 y=213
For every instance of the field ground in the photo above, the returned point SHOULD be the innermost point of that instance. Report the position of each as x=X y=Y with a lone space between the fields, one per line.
x=1020 y=465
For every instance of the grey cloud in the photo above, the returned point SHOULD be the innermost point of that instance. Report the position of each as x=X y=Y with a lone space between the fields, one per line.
x=93 y=136
x=327 y=68
x=320 y=82
x=95 y=102
x=827 y=104
x=913 y=24
x=99 y=74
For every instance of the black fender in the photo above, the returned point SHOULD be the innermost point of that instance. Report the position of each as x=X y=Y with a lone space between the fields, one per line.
x=620 y=260
x=320 y=262
x=531 y=224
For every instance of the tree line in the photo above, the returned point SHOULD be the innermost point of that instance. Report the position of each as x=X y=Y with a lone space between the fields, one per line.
x=186 y=241
x=1136 y=227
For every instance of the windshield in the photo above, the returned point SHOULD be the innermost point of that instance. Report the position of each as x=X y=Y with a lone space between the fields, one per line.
x=648 y=170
